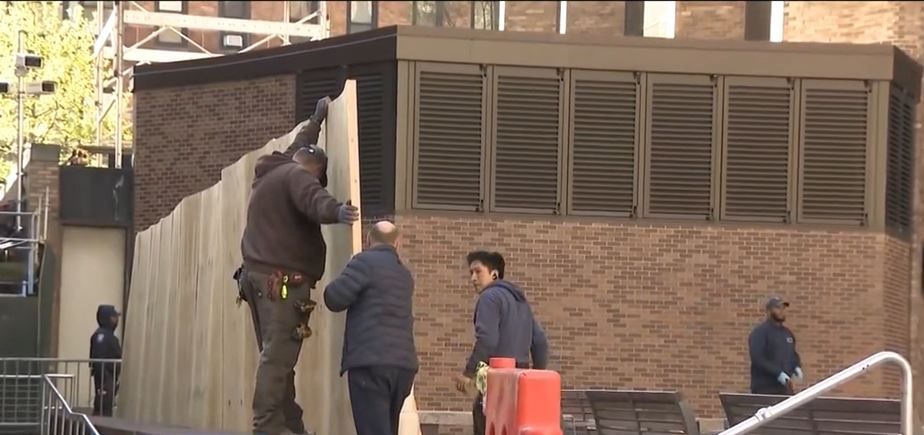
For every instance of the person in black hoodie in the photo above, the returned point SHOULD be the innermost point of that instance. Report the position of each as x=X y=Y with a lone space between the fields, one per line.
x=284 y=256
x=772 y=346
x=105 y=345
x=504 y=326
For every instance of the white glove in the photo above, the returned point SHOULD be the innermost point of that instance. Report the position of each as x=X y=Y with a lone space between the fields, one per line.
x=798 y=374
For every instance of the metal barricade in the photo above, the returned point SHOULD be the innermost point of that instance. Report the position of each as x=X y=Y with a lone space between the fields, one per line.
x=22 y=385
x=56 y=416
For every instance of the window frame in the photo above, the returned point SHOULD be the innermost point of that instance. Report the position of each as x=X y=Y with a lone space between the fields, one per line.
x=495 y=16
x=373 y=21
x=184 y=9
x=245 y=38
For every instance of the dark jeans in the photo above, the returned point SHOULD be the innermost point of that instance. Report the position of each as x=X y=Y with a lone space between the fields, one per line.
x=274 y=406
x=478 y=417
x=376 y=396
x=104 y=400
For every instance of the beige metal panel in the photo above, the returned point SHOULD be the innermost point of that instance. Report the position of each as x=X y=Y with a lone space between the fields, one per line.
x=92 y=273
x=744 y=59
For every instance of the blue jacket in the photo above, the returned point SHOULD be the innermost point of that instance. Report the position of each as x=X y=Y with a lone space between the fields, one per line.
x=505 y=327
x=377 y=291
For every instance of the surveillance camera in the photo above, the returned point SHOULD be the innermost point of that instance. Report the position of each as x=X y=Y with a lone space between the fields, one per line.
x=25 y=60
x=4 y=88
x=44 y=87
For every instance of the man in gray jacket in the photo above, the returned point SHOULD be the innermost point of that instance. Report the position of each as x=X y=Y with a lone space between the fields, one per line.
x=377 y=290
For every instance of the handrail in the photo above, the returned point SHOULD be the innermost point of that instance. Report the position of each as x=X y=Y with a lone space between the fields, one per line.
x=57 y=402
x=771 y=413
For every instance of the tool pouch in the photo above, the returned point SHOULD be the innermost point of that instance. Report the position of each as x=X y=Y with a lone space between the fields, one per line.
x=304 y=307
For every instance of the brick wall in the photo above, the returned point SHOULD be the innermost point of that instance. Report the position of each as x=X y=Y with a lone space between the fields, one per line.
x=596 y=18
x=710 y=20
x=530 y=16
x=657 y=307
x=900 y=23
x=186 y=135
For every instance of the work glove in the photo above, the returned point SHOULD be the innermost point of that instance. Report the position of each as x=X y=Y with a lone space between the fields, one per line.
x=798 y=374
x=320 y=111
x=783 y=378
x=347 y=213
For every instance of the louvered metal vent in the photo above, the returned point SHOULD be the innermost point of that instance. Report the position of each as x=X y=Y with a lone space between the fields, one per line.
x=604 y=145
x=834 y=153
x=758 y=137
x=681 y=142
x=312 y=86
x=370 y=109
x=527 y=141
x=900 y=160
x=450 y=132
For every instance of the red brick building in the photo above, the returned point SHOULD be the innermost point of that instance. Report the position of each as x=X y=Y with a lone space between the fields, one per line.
x=639 y=301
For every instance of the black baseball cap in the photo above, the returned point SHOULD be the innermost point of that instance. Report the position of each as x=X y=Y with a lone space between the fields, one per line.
x=776 y=302
x=318 y=154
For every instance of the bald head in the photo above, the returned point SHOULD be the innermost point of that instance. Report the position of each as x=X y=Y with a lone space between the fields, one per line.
x=385 y=233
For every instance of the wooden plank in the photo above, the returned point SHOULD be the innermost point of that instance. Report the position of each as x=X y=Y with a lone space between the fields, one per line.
x=194 y=355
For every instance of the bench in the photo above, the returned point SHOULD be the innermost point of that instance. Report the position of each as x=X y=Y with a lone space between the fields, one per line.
x=822 y=416
x=620 y=412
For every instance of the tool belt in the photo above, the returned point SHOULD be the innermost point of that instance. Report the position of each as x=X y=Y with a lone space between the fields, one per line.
x=278 y=283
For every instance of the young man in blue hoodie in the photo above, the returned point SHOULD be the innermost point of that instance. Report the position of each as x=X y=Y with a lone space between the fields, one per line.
x=504 y=326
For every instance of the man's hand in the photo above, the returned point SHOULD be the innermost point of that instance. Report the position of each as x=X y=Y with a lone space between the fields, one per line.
x=348 y=213
x=320 y=110
x=797 y=376
x=463 y=383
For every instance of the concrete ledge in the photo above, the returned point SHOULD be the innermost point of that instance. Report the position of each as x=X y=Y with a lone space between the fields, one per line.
x=445 y=418
x=118 y=426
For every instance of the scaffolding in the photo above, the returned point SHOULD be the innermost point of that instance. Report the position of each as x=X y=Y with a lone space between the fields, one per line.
x=20 y=238
x=115 y=61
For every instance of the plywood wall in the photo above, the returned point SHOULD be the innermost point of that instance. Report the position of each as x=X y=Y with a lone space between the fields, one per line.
x=190 y=353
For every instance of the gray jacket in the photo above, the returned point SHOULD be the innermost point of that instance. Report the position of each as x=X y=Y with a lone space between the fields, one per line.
x=377 y=291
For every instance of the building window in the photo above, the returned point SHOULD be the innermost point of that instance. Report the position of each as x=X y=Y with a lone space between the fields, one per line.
x=234 y=9
x=299 y=10
x=659 y=19
x=171 y=36
x=428 y=13
x=777 y=16
x=485 y=15
x=363 y=16
x=178 y=7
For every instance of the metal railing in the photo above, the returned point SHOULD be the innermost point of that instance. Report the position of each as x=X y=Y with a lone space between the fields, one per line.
x=24 y=239
x=56 y=416
x=22 y=388
x=771 y=413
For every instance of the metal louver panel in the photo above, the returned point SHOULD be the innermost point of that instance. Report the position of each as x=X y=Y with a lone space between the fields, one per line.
x=681 y=138
x=758 y=137
x=604 y=143
x=527 y=139
x=900 y=160
x=450 y=132
x=312 y=86
x=370 y=109
x=834 y=146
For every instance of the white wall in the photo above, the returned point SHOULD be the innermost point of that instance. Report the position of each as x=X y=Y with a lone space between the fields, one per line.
x=92 y=261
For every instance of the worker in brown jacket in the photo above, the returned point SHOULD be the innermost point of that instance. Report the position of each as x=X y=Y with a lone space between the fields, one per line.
x=284 y=255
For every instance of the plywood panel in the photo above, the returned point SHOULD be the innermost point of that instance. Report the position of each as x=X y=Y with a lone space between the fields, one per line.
x=193 y=356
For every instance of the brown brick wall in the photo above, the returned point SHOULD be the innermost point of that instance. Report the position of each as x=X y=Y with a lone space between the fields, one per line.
x=186 y=135
x=900 y=23
x=648 y=306
x=392 y=13
x=710 y=20
x=530 y=16
x=598 y=18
